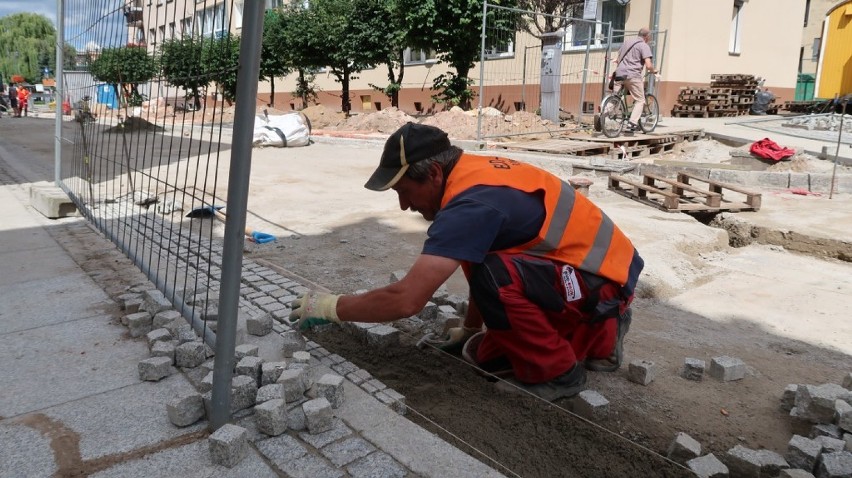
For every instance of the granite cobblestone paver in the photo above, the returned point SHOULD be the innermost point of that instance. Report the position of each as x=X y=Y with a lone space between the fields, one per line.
x=296 y=452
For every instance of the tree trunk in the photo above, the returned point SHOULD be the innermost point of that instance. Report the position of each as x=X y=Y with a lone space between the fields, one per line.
x=303 y=88
x=344 y=81
x=272 y=91
x=462 y=72
x=396 y=80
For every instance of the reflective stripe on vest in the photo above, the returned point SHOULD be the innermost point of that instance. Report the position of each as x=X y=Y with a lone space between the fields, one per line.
x=575 y=231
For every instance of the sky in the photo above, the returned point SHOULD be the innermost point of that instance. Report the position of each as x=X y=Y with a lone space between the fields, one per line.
x=79 y=16
x=42 y=7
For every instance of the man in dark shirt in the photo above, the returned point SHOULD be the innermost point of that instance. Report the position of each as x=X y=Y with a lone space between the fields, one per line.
x=551 y=277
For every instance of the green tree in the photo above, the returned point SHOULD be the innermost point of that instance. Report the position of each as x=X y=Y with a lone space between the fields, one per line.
x=453 y=28
x=182 y=66
x=331 y=33
x=296 y=50
x=381 y=29
x=221 y=60
x=125 y=66
x=554 y=15
x=27 y=47
x=273 y=57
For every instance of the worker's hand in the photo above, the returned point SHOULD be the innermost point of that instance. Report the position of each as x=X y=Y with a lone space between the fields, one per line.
x=454 y=339
x=658 y=76
x=314 y=308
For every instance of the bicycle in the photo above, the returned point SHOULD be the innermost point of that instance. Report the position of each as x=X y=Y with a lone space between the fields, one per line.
x=615 y=114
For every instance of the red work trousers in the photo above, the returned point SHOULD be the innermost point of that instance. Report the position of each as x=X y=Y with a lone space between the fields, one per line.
x=543 y=316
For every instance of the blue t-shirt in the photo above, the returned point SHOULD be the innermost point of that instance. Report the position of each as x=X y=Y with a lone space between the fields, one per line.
x=484 y=219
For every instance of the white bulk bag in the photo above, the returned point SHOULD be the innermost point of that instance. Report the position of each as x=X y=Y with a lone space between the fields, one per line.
x=291 y=129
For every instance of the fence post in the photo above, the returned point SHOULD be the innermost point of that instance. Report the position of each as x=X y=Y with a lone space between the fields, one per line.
x=481 y=71
x=238 y=185
x=59 y=94
x=589 y=28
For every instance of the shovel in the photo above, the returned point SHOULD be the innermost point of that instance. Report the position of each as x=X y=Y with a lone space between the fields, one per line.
x=214 y=211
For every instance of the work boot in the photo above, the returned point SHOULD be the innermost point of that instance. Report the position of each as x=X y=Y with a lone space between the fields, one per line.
x=631 y=128
x=568 y=384
x=499 y=367
x=613 y=362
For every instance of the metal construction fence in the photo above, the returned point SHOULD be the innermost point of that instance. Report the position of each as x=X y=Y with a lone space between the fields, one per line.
x=151 y=172
x=548 y=82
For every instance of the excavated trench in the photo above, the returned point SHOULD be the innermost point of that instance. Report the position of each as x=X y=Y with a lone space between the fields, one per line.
x=741 y=233
x=516 y=435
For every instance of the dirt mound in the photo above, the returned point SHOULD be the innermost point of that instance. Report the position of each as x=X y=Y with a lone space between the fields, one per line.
x=384 y=121
x=323 y=118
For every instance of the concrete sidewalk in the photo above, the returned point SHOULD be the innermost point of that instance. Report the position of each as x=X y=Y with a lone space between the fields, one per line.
x=72 y=402
x=747 y=129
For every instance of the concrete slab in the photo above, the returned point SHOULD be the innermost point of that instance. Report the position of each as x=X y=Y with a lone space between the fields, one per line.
x=24 y=239
x=33 y=264
x=188 y=461
x=124 y=419
x=51 y=201
x=46 y=366
x=64 y=298
x=25 y=452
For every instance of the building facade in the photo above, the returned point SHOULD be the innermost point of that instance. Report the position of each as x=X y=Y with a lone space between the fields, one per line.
x=701 y=38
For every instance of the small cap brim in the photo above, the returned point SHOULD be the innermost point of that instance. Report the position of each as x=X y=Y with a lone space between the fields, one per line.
x=384 y=178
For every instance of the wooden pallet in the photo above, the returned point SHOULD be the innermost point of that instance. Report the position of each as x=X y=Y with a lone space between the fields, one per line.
x=558 y=146
x=678 y=195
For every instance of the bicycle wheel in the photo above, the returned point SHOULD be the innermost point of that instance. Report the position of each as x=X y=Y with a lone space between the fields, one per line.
x=650 y=114
x=612 y=116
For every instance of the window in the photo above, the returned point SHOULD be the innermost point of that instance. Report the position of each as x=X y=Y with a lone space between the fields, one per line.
x=171 y=31
x=271 y=4
x=502 y=46
x=162 y=29
x=415 y=57
x=211 y=21
x=186 y=26
x=815 y=49
x=807 y=11
x=152 y=35
x=579 y=33
x=736 y=28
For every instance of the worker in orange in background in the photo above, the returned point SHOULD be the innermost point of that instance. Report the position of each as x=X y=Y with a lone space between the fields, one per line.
x=23 y=100
x=551 y=277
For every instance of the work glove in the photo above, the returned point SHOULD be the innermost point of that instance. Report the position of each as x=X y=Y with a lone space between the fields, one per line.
x=454 y=339
x=314 y=308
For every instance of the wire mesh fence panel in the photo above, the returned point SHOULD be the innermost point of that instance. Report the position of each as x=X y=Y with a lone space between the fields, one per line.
x=543 y=72
x=148 y=111
x=547 y=74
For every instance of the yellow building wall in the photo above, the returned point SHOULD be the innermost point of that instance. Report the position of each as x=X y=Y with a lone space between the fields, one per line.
x=835 y=73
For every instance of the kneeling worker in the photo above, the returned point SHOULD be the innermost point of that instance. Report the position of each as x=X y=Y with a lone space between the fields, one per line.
x=551 y=277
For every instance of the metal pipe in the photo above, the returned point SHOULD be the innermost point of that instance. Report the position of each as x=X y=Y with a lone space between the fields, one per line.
x=60 y=91
x=585 y=73
x=481 y=72
x=524 y=81
x=837 y=151
x=606 y=61
x=238 y=187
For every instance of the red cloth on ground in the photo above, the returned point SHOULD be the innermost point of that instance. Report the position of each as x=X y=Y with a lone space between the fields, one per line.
x=768 y=149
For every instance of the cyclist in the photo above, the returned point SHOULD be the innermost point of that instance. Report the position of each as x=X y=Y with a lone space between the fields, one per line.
x=634 y=55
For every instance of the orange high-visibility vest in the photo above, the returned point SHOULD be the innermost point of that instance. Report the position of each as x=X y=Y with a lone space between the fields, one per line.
x=574 y=232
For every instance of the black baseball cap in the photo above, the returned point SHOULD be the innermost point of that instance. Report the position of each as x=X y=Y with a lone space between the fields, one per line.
x=411 y=143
